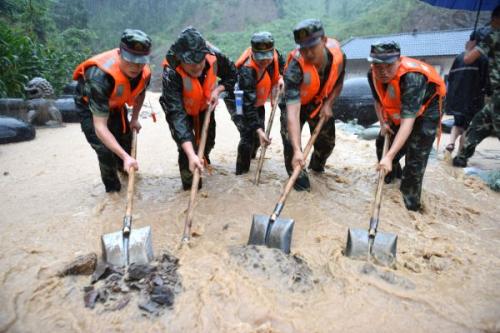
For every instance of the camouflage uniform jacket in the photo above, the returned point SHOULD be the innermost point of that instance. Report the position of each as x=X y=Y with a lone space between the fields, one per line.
x=171 y=99
x=490 y=47
x=98 y=86
x=294 y=77
x=415 y=91
x=247 y=80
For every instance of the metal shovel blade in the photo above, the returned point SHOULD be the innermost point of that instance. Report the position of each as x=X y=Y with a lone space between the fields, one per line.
x=140 y=247
x=280 y=235
x=383 y=249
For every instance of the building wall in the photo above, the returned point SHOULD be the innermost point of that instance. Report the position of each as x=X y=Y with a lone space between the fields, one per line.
x=359 y=67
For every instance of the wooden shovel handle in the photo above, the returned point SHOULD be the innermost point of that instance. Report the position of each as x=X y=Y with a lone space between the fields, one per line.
x=378 y=194
x=131 y=175
x=268 y=132
x=296 y=170
x=196 y=174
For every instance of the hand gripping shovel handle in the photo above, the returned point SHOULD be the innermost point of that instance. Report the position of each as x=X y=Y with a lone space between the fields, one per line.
x=268 y=132
x=196 y=175
x=294 y=176
x=378 y=195
x=127 y=220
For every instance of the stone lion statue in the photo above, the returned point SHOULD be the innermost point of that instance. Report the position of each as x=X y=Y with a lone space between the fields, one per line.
x=40 y=103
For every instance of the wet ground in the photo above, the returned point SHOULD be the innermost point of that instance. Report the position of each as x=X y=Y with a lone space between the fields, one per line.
x=54 y=208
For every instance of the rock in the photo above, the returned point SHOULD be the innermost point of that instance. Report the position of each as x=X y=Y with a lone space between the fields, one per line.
x=15 y=130
x=162 y=295
x=90 y=299
x=82 y=265
x=355 y=102
x=150 y=307
x=120 y=304
x=103 y=270
x=137 y=272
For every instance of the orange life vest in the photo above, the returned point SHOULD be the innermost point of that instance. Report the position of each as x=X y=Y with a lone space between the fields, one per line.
x=265 y=82
x=310 y=87
x=390 y=94
x=195 y=97
x=122 y=94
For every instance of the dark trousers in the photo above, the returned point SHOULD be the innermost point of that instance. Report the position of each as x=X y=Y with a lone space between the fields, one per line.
x=186 y=174
x=485 y=123
x=249 y=142
x=109 y=162
x=416 y=152
x=323 y=146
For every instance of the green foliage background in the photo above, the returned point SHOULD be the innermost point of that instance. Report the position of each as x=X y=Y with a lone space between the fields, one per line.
x=50 y=37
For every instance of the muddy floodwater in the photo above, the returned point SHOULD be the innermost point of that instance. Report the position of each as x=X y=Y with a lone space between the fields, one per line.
x=53 y=208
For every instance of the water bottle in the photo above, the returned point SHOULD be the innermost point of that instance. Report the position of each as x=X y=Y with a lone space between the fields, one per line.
x=238 y=94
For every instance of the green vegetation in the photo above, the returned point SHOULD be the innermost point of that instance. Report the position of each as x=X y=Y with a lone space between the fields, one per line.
x=50 y=37
x=38 y=39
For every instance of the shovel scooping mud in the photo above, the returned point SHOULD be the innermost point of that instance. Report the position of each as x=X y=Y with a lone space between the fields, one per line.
x=365 y=244
x=196 y=176
x=274 y=231
x=129 y=245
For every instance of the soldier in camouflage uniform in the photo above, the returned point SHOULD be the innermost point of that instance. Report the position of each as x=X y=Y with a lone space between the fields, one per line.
x=313 y=79
x=106 y=83
x=487 y=121
x=407 y=94
x=191 y=63
x=251 y=123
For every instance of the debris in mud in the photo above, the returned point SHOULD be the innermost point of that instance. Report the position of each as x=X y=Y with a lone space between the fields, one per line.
x=290 y=270
x=387 y=276
x=156 y=283
x=82 y=265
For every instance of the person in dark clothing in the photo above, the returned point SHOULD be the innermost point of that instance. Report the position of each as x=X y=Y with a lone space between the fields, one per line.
x=106 y=82
x=313 y=79
x=260 y=70
x=407 y=94
x=190 y=73
x=487 y=121
x=467 y=86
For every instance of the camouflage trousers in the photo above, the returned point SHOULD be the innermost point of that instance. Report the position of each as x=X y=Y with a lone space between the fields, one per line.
x=249 y=142
x=109 y=162
x=186 y=174
x=485 y=123
x=323 y=146
x=416 y=152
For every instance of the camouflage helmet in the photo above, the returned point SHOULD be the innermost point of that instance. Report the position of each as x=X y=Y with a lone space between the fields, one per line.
x=262 y=45
x=190 y=47
x=308 y=33
x=135 y=46
x=384 y=53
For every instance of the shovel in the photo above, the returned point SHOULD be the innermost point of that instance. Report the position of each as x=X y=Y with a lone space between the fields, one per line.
x=274 y=231
x=363 y=244
x=128 y=246
x=268 y=132
x=196 y=176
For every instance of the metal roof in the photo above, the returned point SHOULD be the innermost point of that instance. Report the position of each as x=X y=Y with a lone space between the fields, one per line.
x=417 y=44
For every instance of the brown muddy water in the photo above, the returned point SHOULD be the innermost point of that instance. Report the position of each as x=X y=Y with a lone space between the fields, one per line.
x=54 y=208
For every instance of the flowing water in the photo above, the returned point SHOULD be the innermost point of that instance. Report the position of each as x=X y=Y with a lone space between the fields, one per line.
x=54 y=208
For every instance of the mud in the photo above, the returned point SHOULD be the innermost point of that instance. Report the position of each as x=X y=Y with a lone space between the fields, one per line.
x=54 y=208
